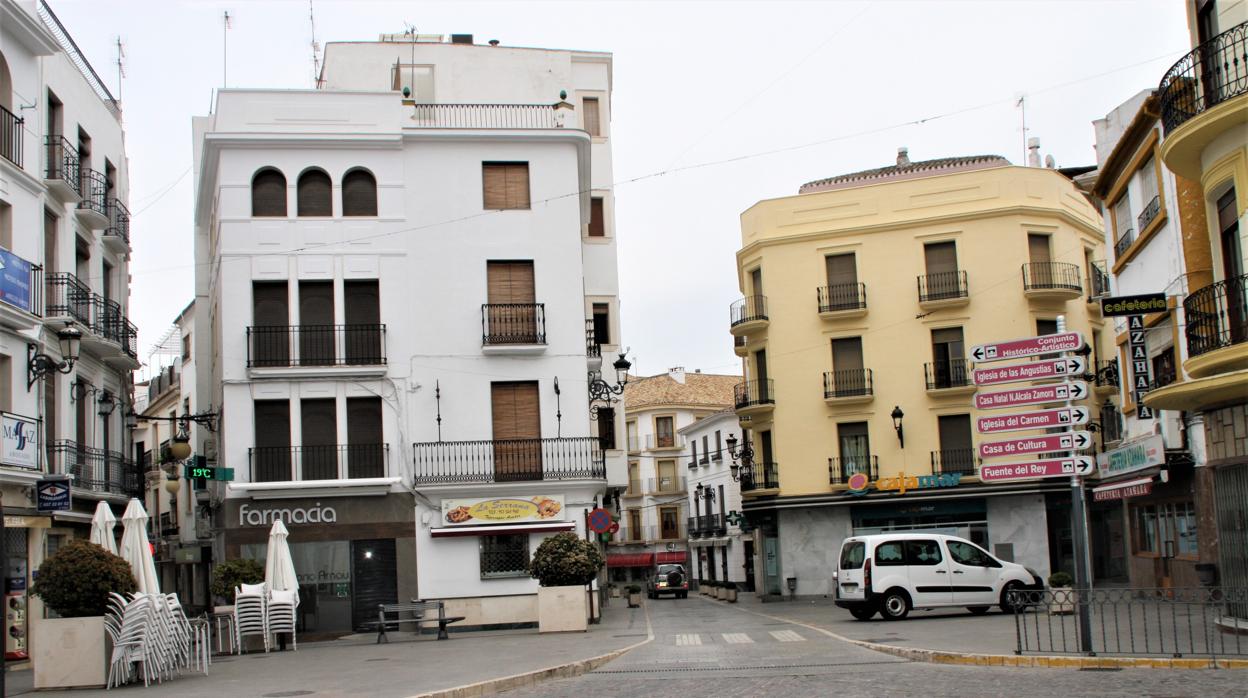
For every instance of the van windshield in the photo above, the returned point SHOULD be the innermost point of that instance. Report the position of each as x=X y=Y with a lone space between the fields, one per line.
x=852 y=555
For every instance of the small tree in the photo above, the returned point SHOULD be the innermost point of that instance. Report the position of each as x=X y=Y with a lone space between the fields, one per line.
x=228 y=575
x=1060 y=579
x=565 y=560
x=76 y=581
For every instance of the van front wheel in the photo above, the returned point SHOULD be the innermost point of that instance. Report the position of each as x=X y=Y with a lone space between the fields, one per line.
x=895 y=605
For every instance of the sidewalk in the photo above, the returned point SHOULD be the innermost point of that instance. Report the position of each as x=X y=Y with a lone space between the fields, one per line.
x=358 y=667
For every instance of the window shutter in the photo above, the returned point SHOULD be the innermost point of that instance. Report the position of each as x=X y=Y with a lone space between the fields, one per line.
x=506 y=185
x=510 y=282
x=315 y=194
x=518 y=185
x=495 y=183
x=593 y=124
x=268 y=194
x=359 y=194
x=597 y=228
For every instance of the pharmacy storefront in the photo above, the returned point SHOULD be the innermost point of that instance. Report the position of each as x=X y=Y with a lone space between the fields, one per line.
x=350 y=553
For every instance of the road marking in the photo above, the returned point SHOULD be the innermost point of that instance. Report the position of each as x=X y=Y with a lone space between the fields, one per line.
x=787 y=636
x=687 y=640
x=737 y=639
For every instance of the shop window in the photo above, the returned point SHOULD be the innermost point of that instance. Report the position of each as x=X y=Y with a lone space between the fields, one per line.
x=1167 y=530
x=1146 y=519
x=505 y=556
x=359 y=193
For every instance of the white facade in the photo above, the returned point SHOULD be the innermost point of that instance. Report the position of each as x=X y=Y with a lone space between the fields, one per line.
x=436 y=359
x=718 y=546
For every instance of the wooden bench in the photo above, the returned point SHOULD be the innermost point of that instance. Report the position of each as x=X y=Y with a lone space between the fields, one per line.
x=419 y=608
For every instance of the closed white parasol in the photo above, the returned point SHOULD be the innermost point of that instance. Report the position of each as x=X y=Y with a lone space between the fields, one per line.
x=279 y=568
x=102 y=527
x=135 y=548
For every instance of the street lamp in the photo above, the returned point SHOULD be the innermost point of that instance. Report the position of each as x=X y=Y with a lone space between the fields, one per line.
x=599 y=389
x=744 y=454
x=106 y=404
x=38 y=364
x=897 y=414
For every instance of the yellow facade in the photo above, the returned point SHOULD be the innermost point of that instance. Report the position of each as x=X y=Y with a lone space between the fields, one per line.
x=989 y=215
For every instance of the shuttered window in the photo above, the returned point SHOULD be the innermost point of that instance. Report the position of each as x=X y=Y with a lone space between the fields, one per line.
x=510 y=282
x=271 y=455
x=315 y=195
x=506 y=185
x=597 y=228
x=320 y=439
x=268 y=194
x=517 y=425
x=359 y=194
x=593 y=123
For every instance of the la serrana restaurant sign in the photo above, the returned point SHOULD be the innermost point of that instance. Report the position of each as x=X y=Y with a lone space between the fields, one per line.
x=497 y=510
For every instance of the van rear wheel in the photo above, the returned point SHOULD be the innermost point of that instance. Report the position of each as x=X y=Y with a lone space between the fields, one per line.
x=864 y=613
x=894 y=605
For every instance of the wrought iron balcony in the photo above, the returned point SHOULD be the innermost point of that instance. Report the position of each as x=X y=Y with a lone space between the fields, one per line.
x=513 y=323
x=952 y=373
x=94 y=192
x=1123 y=242
x=1217 y=316
x=707 y=525
x=286 y=346
x=655 y=441
x=842 y=297
x=760 y=476
x=592 y=347
x=96 y=470
x=329 y=462
x=943 y=286
x=110 y=322
x=1148 y=214
x=1098 y=281
x=748 y=309
x=841 y=468
x=510 y=460
x=118 y=221
x=853 y=382
x=1051 y=276
x=63 y=164
x=754 y=393
x=1209 y=75
x=960 y=461
x=68 y=296
x=486 y=116
x=666 y=485
x=1106 y=374
x=693 y=525
x=11 y=139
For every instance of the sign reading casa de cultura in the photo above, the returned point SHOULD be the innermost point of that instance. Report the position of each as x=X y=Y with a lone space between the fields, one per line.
x=542 y=507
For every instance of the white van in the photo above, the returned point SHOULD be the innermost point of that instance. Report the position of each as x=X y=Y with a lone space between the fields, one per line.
x=892 y=573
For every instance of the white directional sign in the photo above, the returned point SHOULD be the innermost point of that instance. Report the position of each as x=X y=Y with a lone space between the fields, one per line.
x=1035 y=395
x=1028 y=346
x=1065 y=441
x=1026 y=470
x=1033 y=371
x=1037 y=419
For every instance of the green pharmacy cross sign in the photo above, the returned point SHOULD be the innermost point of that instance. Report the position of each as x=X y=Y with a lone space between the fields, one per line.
x=199 y=472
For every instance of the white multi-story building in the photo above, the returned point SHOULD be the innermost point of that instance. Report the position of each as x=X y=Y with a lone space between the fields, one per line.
x=402 y=275
x=64 y=255
x=722 y=551
x=654 y=510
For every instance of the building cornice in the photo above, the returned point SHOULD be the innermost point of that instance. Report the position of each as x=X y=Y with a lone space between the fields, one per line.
x=28 y=30
x=842 y=499
x=1145 y=120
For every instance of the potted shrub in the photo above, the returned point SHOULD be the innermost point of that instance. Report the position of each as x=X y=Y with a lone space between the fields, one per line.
x=1062 y=597
x=730 y=592
x=634 y=596
x=231 y=574
x=563 y=564
x=721 y=591
x=72 y=650
x=707 y=587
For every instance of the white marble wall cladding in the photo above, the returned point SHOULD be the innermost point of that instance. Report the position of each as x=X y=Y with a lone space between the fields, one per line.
x=1022 y=522
x=810 y=542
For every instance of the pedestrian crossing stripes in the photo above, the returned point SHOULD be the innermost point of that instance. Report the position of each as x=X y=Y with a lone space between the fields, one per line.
x=687 y=640
x=787 y=636
x=737 y=638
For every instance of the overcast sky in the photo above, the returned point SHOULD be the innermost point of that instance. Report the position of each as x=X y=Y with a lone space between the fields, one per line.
x=832 y=86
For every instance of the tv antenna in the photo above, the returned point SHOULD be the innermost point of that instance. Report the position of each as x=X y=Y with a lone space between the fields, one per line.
x=121 y=65
x=225 y=49
x=316 y=48
x=1022 y=110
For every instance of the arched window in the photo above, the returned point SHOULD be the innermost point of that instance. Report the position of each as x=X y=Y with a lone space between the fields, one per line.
x=359 y=194
x=315 y=194
x=268 y=193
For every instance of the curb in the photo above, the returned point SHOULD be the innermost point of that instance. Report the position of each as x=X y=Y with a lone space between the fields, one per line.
x=1027 y=661
x=530 y=678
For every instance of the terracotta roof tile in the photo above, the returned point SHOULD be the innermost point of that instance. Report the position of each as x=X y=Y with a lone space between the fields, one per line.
x=699 y=389
x=911 y=170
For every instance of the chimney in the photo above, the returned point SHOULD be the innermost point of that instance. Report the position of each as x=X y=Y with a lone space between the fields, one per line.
x=677 y=373
x=1049 y=162
x=1033 y=152
x=903 y=156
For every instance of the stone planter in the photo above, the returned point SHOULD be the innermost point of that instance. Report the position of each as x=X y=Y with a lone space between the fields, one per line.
x=562 y=609
x=615 y=592
x=1064 y=600
x=721 y=593
x=69 y=652
x=731 y=595
x=634 y=599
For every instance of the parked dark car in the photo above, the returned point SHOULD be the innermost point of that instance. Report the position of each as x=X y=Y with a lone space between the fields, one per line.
x=668 y=579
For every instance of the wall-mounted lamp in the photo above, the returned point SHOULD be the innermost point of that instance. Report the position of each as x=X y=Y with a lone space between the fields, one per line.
x=106 y=403
x=599 y=389
x=704 y=492
x=38 y=365
x=742 y=455
x=897 y=414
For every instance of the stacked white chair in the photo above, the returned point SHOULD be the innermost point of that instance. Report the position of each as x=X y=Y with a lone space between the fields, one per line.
x=251 y=614
x=281 y=614
x=153 y=632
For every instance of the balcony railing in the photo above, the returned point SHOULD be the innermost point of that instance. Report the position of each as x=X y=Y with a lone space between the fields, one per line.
x=97 y=470
x=1111 y=423
x=75 y=55
x=513 y=323
x=1217 y=315
x=634 y=444
x=11 y=136
x=283 y=346
x=841 y=468
x=94 y=192
x=852 y=382
x=754 y=393
x=1210 y=74
x=509 y=460
x=664 y=441
x=665 y=485
x=952 y=373
x=329 y=462
x=760 y=476
x=943 y=286
x=839 y=297
x=68 y=296
x=960 y=461
x=1107 y=374
x=1148 y=214
x=1098 y=280
x=748 y=309
x=592 y=347
x=706 y=525
x=110 y=322
x=1051 y=275
x=1122 y=242
x=522 y=116
x=63 y=162
x=118 y=221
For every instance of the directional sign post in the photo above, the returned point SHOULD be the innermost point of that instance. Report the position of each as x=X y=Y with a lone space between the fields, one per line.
x=1031 y=469
x=1035 y=395
x=1034 y=371
x=1066 y=441
x=1039 y=419
x=1030 y=346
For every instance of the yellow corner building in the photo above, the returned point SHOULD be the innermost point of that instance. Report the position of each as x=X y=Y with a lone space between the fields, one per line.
x=862 y=297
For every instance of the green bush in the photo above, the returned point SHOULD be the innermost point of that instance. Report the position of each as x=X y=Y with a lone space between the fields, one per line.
x=1060 y=579
x=76 y=581
x=233 y=573
x=565 y=560
x=634 y=588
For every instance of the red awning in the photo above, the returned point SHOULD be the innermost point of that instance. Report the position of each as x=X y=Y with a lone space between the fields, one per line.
x=630 y=559
x=677 y=557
